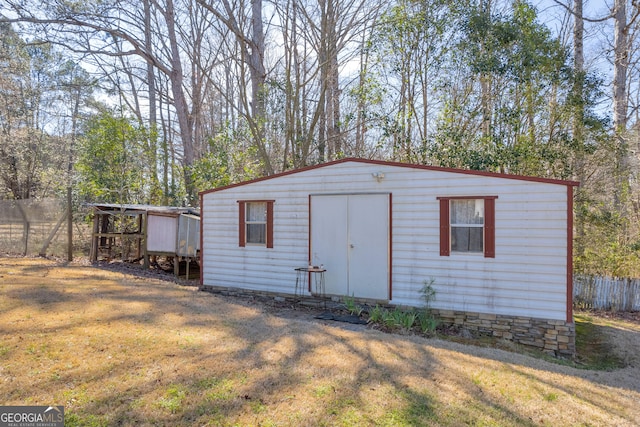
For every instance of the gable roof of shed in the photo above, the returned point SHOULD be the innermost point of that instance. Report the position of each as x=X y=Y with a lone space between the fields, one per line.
x=403 y=165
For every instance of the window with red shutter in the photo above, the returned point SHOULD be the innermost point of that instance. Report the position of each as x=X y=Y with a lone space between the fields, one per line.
x=255 y=220
x=467 y=224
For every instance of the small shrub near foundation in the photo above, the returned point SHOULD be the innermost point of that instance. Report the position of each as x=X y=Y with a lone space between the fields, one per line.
x=352 y=307
x=421 y=321
x=376 y=314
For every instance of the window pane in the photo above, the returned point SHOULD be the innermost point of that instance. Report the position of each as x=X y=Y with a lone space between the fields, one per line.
x=467 y=239
x=256 y=212
x=256 y=233
x=467 y=211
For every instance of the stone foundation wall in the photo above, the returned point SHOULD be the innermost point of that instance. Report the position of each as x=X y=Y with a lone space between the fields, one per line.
x=306 y=300
x=555 y=337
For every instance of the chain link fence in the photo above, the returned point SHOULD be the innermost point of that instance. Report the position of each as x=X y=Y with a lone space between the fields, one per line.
x=39 y=227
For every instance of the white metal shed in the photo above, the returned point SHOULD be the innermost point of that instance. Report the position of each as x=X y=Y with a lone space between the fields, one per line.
x=492 y=243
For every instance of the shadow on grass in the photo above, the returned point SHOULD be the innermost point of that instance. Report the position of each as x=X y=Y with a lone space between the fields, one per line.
x=165 y=355
x=593 y=347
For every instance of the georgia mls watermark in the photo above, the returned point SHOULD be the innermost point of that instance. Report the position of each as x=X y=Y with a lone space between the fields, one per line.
x=31 y=416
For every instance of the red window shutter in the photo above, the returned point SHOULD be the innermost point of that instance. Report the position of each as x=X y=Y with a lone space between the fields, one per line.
x=269 y=224
x=445 y=247
x=242 y=225
x=489 y=228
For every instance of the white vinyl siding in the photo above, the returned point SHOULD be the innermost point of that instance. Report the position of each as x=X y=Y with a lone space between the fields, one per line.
x=527 y=277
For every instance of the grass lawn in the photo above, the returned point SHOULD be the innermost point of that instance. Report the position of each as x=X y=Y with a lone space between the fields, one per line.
x=115 y=349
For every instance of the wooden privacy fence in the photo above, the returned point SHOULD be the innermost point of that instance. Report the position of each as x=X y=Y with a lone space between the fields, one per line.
x=606 y=293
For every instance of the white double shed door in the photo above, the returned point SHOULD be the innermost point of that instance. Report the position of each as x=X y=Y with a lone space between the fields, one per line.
x=350 y=236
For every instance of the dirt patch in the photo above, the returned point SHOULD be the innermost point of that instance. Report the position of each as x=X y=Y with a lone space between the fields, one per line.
x=625 y=316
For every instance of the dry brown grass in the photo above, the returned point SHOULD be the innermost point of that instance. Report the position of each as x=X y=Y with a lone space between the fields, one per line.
x=119 y=350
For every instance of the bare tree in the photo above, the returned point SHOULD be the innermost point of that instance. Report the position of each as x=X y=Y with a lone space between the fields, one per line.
x=625 y=22
x=621 y=51
x=252 y=48
x=299 y=71
x=81 y=29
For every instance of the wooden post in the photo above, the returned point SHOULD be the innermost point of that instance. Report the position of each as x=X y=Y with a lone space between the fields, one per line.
x=104 y=228
x=145 y=228
x=26 y=226
x=69 y=226
x=122 y=228
x=139 y=237
x=95 y=240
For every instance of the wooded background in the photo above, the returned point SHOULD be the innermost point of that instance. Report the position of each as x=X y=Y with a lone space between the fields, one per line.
x=151 y=101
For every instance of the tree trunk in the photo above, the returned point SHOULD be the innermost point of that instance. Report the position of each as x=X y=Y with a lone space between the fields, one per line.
x=578 y=120
x=185 y=120
x=258 y=77
x=153 y=116
x=323 y=62
x=334 y=137
x=621 y=64
x=361 y=124
x=486 y=89
x=74 y=129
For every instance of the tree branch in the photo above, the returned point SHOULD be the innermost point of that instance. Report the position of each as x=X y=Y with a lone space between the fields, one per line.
x=137 y=50
x=593 y=20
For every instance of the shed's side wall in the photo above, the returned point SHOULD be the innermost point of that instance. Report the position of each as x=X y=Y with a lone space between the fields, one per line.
x=527 y=277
